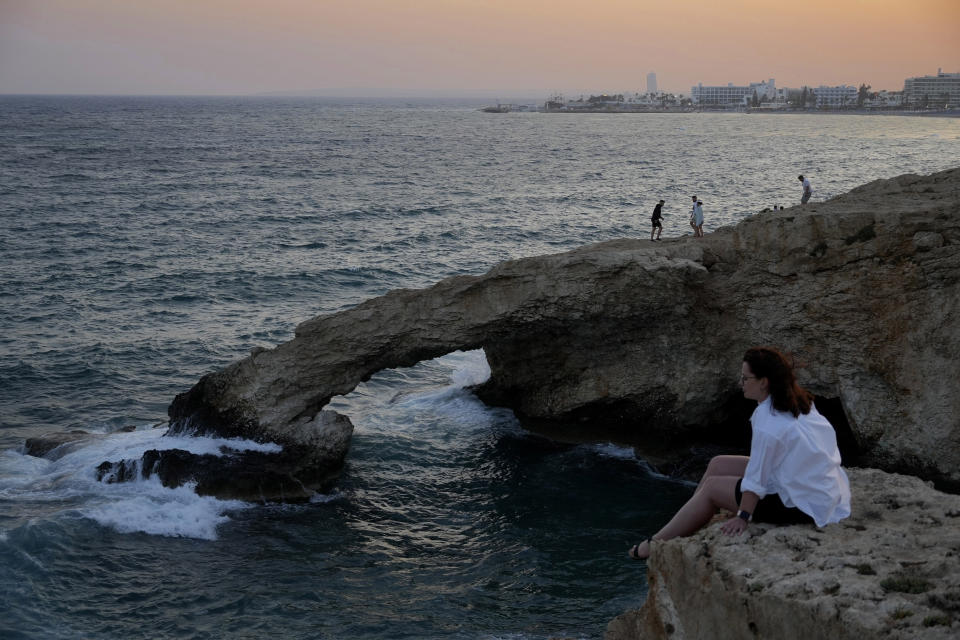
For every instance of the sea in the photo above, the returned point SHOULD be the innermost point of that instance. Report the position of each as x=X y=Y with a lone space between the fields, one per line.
x=147 y=241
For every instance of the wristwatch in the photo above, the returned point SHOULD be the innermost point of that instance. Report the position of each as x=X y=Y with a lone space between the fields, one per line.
x=744 y=515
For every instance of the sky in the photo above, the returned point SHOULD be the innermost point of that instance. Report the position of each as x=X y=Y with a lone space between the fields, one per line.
x=471 y=48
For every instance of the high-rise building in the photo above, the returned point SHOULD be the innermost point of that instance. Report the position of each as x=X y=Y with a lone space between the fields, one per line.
x=943 y=88
x=652 y=82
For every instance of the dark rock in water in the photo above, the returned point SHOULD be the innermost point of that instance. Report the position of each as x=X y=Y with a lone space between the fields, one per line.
x=122 y=471
x=302 y=467
x=234 y=475
x=55 y=445
x=309 y=460
x=248 y=475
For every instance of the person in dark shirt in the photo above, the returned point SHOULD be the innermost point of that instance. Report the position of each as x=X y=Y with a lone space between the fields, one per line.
x=655 y=219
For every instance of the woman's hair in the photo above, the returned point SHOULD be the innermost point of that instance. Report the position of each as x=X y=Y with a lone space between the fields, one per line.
x=785 y=393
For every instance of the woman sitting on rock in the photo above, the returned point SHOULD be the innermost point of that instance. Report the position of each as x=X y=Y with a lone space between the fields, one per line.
x=793 y=474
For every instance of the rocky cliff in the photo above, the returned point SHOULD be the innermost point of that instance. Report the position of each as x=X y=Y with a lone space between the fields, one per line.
x=891 y=570
x=648 y=337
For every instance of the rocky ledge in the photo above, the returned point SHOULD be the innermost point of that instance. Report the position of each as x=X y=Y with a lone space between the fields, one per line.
x=891 y=570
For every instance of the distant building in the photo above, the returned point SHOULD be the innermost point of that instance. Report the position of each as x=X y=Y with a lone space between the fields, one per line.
x=939 y=90
x=884 y=99
x=732 y=95
x=842 y=96
x=652 y=82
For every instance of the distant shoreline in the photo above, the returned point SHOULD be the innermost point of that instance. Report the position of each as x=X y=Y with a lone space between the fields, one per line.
x=952 y=113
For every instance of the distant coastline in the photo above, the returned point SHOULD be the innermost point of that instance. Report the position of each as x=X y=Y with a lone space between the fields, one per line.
x=941 y=113
x=938 y=113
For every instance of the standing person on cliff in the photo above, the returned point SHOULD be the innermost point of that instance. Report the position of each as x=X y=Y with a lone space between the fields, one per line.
x=807 y=189
x=698 y=217
x=656 y=219
x=693 y=218
x=793 y=473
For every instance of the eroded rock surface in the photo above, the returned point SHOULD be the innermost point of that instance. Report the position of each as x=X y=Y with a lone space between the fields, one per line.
x=648 y=336
x=891 y=570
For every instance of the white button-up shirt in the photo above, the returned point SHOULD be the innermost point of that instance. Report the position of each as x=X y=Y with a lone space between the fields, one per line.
x=798 y=459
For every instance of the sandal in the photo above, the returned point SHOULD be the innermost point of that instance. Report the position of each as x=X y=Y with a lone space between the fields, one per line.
x=635 y=549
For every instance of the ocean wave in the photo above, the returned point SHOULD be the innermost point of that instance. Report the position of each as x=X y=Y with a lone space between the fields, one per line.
x=68 y=484
x=156 y=510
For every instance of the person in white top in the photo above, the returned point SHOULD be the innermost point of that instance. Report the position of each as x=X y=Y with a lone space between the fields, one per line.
x=696 y=217
x=807 y=189
x=793 y=473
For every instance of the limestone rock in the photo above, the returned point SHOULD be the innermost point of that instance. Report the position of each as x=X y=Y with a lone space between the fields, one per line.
x=649 y=336
x=891 y=570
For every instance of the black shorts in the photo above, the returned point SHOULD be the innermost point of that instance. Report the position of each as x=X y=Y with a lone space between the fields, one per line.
x=771 y=509
x=656 y=223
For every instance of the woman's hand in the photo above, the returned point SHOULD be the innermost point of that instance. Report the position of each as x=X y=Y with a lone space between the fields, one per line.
x=735 y=526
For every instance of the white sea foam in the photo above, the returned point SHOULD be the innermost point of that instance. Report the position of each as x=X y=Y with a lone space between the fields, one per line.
x=471 y=368
x=649 y=469
x=436 y=388
x=69 y=485
x=468 y=368
x=18 y=471
x=149 y=507
x=611 y=450
x=323 y=498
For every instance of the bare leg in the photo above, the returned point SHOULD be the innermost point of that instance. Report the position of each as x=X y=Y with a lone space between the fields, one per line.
x=715 y=492
x=725 y=466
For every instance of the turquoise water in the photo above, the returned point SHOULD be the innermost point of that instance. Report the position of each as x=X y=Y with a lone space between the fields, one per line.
x=148 y=241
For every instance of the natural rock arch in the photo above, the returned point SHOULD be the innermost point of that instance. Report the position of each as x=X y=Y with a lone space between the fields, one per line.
x=863 y=288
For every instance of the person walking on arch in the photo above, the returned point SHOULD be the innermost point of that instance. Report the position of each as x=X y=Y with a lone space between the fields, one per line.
x=693 y=216
x=696 y=218
x=807 y=189
x=656 y=219
x=699 y=217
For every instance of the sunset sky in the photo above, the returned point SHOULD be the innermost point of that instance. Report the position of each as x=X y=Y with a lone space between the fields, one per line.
x=495 y=48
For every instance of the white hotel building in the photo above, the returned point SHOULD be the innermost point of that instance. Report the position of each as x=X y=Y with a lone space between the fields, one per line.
x=842 y=96
x=936 y=88
x=732 y=95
